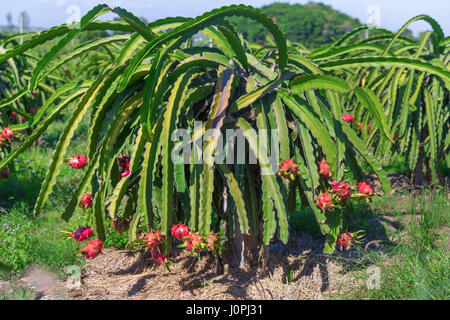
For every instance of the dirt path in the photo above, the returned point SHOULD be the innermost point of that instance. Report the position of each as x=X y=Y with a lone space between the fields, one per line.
x=41 y=284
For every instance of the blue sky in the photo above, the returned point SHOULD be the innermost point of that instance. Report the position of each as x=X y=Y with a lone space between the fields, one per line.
x=392 y=13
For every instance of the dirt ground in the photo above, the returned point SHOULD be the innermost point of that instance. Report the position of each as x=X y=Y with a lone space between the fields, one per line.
x=121 y=274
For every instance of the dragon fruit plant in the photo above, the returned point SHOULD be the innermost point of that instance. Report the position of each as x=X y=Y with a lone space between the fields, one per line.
x=18 y=105
x=161 y=80
x=413 y=99
x=332 y=202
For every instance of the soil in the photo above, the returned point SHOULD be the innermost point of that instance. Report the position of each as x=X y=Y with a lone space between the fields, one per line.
x=121 y=274
x=399 y=183
x=295 y=271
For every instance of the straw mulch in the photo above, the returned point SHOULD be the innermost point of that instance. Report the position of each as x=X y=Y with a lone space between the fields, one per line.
x=121 y=274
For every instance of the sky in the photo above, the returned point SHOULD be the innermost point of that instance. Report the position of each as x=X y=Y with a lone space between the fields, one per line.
x=389 y=14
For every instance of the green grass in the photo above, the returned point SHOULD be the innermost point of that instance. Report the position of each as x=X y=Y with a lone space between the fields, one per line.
x=412 y=253
x=25 y=239
x=302 y=221
x=397 y=164
x=18 y=293
x=415 y=265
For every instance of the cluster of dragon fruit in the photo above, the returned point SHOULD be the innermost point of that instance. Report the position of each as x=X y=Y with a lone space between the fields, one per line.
x=334 y=197
x=194 y=242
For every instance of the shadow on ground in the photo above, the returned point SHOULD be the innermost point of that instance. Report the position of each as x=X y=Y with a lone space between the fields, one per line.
x=298 y=270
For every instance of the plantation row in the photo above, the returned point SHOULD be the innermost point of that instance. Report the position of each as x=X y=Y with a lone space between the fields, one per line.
x=340 y=111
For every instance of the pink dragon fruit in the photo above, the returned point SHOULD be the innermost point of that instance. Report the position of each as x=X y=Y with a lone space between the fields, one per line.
x=347 y=117
x=78 y=161
x=7 y=133
x=154 y=238
x=92 y=249
x=288 y=169
x=179 y=231
x=82 y=234
x=86 y=201
x=5 y=173
x=158 y=257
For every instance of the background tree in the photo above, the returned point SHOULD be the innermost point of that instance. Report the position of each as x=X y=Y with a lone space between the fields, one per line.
x=408 y=34
x=312 y=24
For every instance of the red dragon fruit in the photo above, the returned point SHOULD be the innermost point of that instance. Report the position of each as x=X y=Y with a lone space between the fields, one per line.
x=324 y=169
x=345 y=239
x=120 y=224
x=213 y=241
x=195 y=242
x=179 y=231
x=154 y=238
x=124 y=173
x=342 y=189
x=158 y=257
x=396 y=136
x=5 y=173
x=124 y=161
x=365 y=188
x=124 y=165
x=78 y=161
x=347 y=117
x=324 y=201
x=86 y=201
x=82 y=234
x=7 y=133
x=92 y=249
x=288 y=169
